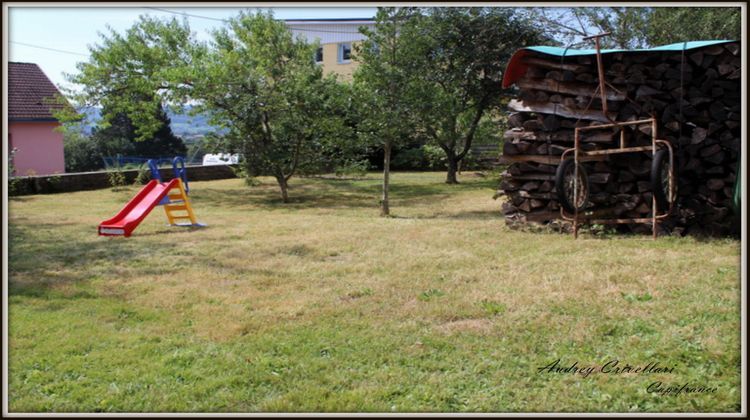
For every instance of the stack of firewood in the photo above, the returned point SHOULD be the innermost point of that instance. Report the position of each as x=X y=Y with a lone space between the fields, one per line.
x=695 y=97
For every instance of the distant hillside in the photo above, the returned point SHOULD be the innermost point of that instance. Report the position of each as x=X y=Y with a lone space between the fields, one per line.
x=183 y=125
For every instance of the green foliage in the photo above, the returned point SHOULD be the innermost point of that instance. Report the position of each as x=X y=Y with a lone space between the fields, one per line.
x=116 y=178
x=382 y=87
x=119 y=137
x=434 y=155
x=143 y=175
x=441 y=75
x=632 y=297
x=134 y=73
x=11 y=166
x=82 y=153
x=410 y=158
x=382 y=81
x=492 y=308
x=241 y=172
x=640 y=27
x=352 y=169
x=256 y=81
x=430 y=294
x=280 y=116
x=15 y=185
x=668 y=25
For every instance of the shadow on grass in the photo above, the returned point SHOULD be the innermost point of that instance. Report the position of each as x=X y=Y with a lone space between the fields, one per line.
x=316 y=192
x=20 y=199
x=466 y=215
x=40 y=263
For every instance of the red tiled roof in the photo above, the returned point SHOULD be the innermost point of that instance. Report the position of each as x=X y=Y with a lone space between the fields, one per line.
x=31 y=94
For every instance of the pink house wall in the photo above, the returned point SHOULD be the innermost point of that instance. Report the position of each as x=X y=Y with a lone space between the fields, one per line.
x=40 y=148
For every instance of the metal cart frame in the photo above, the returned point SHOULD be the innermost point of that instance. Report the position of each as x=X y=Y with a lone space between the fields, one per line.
x=623 y=148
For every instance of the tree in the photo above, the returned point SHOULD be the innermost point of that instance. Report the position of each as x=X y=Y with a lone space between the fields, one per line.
x=264 y=87
x=457 y=61
x=382 y=87
x=81 y=152
x=136 y=74
x=119 y=137
x=259 y=84
x=640 y=27
x=85 y=152
x=668 y=25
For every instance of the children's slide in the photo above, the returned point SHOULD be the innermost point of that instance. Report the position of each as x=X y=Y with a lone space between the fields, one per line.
x=137 y=209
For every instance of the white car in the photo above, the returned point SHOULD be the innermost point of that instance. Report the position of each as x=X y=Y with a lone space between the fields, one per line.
x=220 y=159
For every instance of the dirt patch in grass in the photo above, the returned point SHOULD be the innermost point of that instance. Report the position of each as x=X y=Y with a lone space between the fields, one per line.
x=481 y=326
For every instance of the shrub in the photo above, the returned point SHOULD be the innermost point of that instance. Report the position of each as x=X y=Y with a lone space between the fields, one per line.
x=81 y=153
x=354 y=169
x=411 y=158
x=240 y=171
x=116 y=178
x=143 y=176
x=435 y=156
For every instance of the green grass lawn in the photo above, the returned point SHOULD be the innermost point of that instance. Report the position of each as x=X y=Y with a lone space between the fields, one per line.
x=321 y=305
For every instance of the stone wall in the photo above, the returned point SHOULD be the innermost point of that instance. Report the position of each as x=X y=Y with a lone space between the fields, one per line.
x=25 y=185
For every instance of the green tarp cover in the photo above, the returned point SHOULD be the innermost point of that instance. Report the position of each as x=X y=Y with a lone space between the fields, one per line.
x=562 y=52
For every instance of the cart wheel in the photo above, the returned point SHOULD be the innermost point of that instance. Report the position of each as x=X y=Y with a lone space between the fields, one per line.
x=565 y=181
x=660 y=176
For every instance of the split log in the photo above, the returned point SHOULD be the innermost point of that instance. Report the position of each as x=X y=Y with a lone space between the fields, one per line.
x=556 y=109
x=570 y=88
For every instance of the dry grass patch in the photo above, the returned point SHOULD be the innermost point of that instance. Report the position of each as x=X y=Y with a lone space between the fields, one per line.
x=322 y=305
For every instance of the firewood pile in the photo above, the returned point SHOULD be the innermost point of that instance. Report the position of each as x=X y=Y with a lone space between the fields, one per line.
x=695 y=97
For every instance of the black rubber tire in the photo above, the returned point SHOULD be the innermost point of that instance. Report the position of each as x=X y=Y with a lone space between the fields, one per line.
x=560 y=185
x=660 y=167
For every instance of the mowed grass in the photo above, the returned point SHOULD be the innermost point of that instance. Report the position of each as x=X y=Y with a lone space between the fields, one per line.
x=321 y=305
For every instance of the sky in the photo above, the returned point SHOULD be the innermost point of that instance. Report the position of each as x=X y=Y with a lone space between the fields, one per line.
x=72 y=29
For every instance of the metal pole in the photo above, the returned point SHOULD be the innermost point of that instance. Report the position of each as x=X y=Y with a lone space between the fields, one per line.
x=654 y=222
x=575 y=182
x=600 y=68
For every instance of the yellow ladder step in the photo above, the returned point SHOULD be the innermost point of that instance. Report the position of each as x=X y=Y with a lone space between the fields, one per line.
x=179 y=203
x=176 y=207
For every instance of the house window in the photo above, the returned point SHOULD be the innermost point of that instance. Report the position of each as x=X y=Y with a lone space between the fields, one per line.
x=319 y=55
x=345 y=52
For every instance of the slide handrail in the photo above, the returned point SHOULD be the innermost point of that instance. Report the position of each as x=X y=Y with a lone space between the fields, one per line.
x=180 y=172
x=154 y=167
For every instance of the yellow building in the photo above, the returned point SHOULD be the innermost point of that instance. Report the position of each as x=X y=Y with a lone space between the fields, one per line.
x=337 y=39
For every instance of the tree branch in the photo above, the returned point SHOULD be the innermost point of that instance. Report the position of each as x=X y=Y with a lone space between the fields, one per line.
x=472 y=130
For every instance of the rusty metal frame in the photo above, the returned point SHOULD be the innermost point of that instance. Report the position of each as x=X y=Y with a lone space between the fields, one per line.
x=577 y=153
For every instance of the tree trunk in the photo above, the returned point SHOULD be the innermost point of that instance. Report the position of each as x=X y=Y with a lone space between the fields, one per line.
x=284 y=188
x=384 y=207
x=452 y=167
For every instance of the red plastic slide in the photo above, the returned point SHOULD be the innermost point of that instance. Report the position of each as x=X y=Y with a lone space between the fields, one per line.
x=137 y=209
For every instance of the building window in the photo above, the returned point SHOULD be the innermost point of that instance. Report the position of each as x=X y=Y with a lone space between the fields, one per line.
x=319 y=55
x=345 y=52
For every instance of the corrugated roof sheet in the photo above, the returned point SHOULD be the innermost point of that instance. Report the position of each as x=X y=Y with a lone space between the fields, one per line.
x=30 y=93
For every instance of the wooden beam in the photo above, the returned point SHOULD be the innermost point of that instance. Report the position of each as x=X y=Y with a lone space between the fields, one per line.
x=533 y=176
x=542 y=216
x=556 y=65
x=547 y=160
x=569 y=88
x=559 y=135
x=557 y=109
